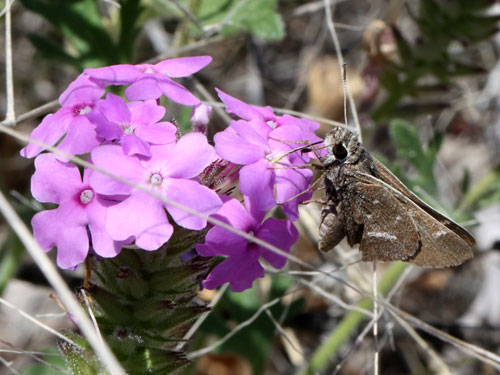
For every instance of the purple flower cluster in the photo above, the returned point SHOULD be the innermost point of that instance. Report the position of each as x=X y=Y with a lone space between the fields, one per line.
x=128 y=138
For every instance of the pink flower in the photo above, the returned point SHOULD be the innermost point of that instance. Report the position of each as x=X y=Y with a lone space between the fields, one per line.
x=80 y=213
x=268 y=177
x=249 y=112
x=151 y=81
x=134 y=125
x=242 y=267
x=261 y=142
x=169 y=172
x=71 y=120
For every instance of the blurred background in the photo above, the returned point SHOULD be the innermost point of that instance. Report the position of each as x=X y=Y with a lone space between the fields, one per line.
x=425 y=79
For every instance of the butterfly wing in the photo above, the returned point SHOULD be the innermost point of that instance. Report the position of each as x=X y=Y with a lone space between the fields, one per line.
x=389 y=232
x=437 y=245
x=381 y=172
x=440 y=246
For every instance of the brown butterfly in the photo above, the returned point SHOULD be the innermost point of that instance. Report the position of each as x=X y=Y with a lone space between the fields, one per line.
x=369 y=205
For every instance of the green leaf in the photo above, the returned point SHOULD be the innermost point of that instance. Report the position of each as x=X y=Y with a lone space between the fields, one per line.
x=10 y=258
x=408 y=145
x=80 y=361
x=257 y=16
x=52 y=51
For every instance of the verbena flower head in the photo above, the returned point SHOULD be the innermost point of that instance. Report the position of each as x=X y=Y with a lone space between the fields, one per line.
x=70 y=121
x=270 y=174
x=81 y=213
x=242 y=264
x=170 y=172
x=134 y=125
x=149 y=81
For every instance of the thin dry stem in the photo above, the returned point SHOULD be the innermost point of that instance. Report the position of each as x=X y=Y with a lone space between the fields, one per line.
x=101 y=348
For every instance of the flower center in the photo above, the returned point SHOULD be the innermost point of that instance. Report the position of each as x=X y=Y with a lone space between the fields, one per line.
x=272 y=124
x=156 y=179
x=86 y=196
x=83 y=110
x=127 y=128
x=149 y=70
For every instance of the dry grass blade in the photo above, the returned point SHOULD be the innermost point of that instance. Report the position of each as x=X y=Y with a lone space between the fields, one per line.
x=38 y=323
x=473 y=350
x=238 y=328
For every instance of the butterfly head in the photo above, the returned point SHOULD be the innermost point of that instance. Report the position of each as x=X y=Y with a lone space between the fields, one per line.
x=342 y=146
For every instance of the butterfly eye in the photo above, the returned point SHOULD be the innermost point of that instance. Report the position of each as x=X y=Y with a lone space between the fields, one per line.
x=339 y=151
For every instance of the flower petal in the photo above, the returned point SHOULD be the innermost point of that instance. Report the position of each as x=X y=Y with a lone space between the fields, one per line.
x=256 y=182
x=191 y=155
x=80 y=138
x=193 y=195
x=81 y=91
x=54 y=181
x=111 y=158
x=102 y=243
x=176 y=92
x=291 y=182
x=115 y=74
x=141 y=216
x=234 y=213
x=144 y=89
x=158 y=134
x=114 y=108
x=239 y=108
x=64 y=228
x=220 y=241
x=49 y=131
x=254 y=132
x=133 y=145
x=280 y=233
x=182 y=66
x=146 y=113
x=230 y=146
x=239 y=271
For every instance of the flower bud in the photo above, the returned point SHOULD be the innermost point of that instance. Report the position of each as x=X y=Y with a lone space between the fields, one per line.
x=200 y=117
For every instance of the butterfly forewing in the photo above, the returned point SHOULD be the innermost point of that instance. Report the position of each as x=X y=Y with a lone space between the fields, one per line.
x=389 y=233
x=368 y=204
x=386 y=176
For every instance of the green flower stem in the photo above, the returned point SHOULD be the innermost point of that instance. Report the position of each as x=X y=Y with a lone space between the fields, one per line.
x=348 y=325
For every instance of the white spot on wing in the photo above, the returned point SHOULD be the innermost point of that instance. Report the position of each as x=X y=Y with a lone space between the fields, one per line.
x=383 y=235
x=376 y=201
x=438 y=234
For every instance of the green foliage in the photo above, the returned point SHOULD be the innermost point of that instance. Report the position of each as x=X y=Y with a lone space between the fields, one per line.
x=86 y=39
x=87 y=42
x=231 y=17
x=255 y=341
x=144 y=304
x=256 y=16
x=53 y=364
x=445 y=29
x=11 y=254
x=79 y=361
x=410 y=150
